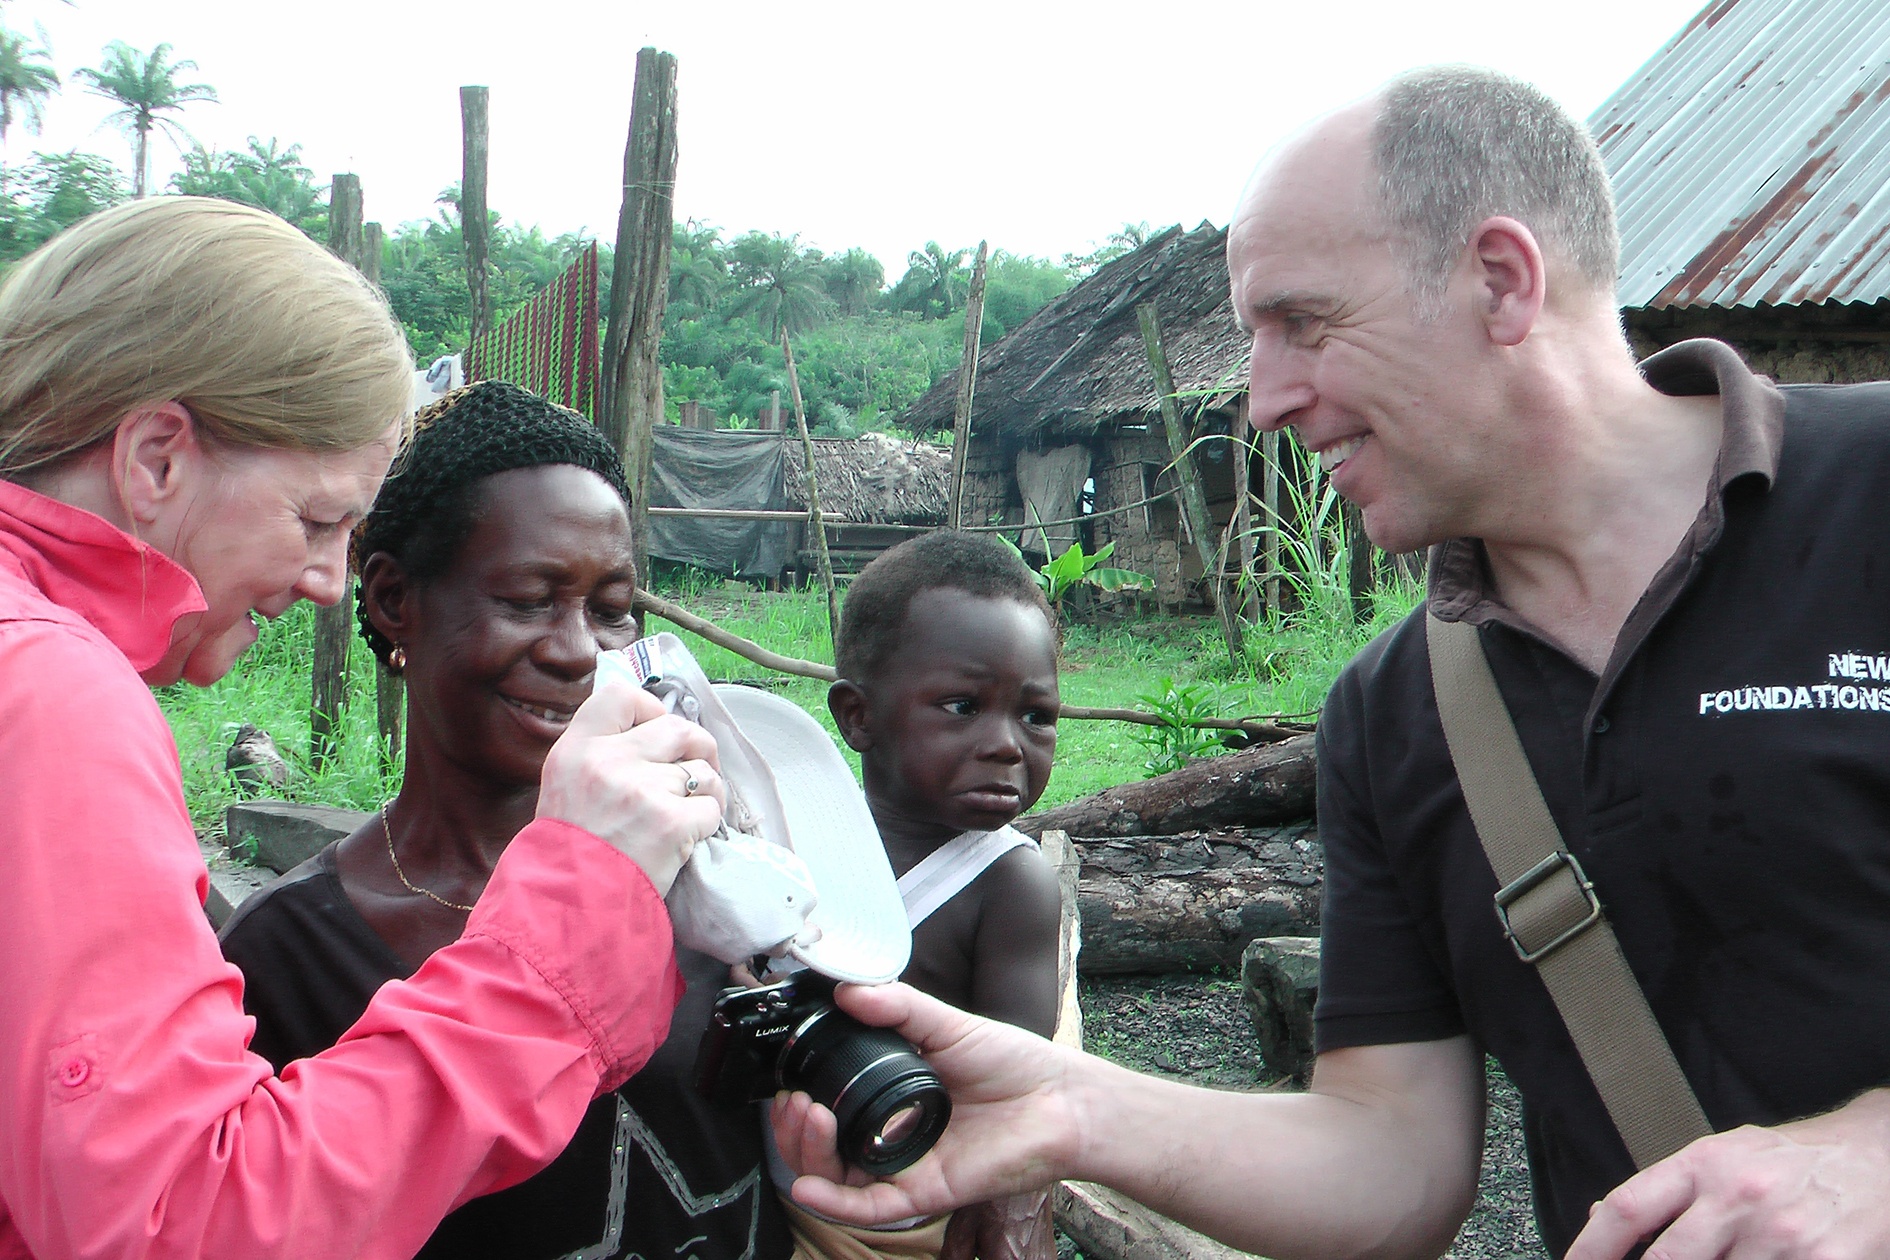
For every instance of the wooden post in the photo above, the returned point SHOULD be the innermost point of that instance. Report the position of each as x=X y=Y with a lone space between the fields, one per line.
x=1194 y=502
x=334 y=625
x=473 y=228
x=815 y=525
x=967 y=386
x=1065 y=861
x=390 y=691
x=373 y=241
x=1243 y=508
x=632 y=391
x=344 y=219
x=1270 y=506
x=1360 y=569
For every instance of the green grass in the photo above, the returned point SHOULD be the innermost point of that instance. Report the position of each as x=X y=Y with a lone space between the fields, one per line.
x=270 y=689
x=1112 y=663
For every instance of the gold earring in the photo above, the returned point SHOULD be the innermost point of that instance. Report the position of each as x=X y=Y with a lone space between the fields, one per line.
x=397 y=660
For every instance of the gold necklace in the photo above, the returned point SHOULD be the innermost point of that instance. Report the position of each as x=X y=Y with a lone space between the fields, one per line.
x=412 y=887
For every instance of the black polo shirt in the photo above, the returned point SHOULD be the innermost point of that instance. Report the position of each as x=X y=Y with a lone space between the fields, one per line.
x=1725 y=782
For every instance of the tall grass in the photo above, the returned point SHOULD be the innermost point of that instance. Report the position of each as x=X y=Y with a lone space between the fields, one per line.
x=269 y=689
x=1313 y=641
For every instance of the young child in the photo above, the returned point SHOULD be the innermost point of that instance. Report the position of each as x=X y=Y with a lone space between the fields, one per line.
x=948 y=691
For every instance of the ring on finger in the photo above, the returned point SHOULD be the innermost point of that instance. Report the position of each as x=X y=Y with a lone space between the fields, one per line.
x=690 y=782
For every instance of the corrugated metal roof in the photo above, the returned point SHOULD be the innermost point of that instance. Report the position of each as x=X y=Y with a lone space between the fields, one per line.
x=1751 y=158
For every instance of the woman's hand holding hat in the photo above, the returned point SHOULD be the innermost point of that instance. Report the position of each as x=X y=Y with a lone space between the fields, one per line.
x=644 y=781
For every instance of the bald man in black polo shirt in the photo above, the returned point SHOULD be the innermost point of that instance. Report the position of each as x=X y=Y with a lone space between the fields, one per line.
x=1681 y=577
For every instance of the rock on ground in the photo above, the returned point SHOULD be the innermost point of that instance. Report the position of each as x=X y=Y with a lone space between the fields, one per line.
x=1197 y=1028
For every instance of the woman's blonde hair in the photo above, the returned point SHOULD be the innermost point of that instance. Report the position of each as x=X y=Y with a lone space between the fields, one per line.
x=267 y=338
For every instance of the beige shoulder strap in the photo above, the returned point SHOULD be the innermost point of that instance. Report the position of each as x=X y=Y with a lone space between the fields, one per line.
x=1549 y=910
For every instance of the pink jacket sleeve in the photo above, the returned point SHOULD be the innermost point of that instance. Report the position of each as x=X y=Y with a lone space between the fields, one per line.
x=133 y=1120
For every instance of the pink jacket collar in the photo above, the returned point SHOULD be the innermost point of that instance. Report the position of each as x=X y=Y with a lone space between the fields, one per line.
x=129 y=591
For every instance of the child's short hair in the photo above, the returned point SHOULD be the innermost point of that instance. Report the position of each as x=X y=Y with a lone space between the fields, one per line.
x=876 y=604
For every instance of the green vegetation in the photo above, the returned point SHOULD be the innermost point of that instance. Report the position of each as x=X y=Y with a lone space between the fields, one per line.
x=51 y=192
x=1178 y=740
x=268 y=176
x=1106 y=664
x=146 y=91
x=1078 y=568
x=270 y=689
x=26 y=80
x=864 y=350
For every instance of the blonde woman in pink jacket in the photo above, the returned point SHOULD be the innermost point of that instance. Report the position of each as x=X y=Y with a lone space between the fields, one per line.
x=196 y=406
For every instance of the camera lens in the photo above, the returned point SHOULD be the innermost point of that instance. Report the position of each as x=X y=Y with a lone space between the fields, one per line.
x=889 y=1104
x=899 y=1125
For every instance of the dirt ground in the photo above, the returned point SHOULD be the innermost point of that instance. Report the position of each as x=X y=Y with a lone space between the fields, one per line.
x=1196 y=1028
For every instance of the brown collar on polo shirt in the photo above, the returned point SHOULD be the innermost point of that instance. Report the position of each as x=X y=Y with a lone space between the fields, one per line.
x=1753 y=428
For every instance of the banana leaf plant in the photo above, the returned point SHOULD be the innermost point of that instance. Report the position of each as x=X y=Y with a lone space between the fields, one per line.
x=1076 y=567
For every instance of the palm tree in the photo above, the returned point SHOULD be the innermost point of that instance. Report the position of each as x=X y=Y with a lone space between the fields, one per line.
x=695 y=236
x=695 y=280
x=146 y=88
x=938 y=276
x=854 y=279
x=779 y=284
x=25 y=81
x=269 y=177
x=1132 y=237
x=274 y=178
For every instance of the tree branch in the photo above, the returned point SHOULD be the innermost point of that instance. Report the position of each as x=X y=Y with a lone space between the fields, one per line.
x=1258 y=730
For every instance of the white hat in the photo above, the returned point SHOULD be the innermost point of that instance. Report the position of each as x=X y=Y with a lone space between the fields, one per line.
x=800 y=871
x=863 y=933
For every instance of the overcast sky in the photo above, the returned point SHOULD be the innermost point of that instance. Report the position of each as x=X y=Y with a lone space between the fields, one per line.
x=1043 y=127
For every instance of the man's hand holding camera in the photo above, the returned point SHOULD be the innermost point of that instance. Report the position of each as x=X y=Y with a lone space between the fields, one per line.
x=1009 y=1132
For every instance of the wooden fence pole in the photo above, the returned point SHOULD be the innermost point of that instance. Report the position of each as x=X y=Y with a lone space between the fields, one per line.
x=1068 y=864
x=967 y=386
x=1194 y=502
x=1243 y=509
x=473 y=228
x=1361 y=571
x=639 y=285
x=815 y=525
x=390 y=690
x=334 y=625
x=373 y=241
x=1270 y=506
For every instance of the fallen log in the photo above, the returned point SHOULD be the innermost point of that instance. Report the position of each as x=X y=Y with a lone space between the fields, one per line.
x=1152 y=905
x=1252 y=788
x=1111 y=1226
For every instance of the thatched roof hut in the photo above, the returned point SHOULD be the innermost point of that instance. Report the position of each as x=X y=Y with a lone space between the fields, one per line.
x=1066 y=419
x=873 y=478
x=1078 y=364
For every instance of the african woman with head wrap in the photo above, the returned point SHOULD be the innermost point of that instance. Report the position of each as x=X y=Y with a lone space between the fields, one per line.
x=495 y=566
